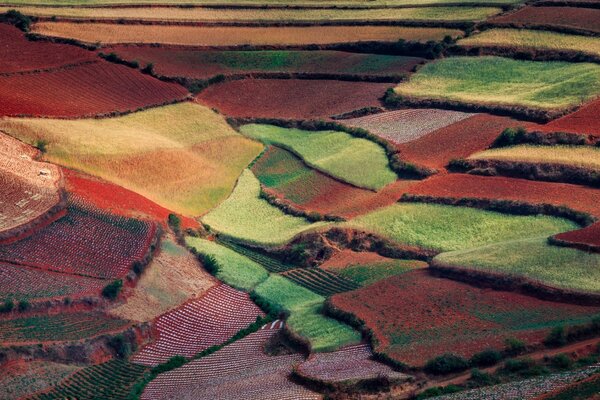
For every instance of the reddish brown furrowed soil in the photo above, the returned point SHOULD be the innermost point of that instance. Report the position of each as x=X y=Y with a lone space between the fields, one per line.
x=438 y=316
x=458 y=140
x=117 y=200
x=291 y=98
x=18 y=54
x=589 y=236
x=585 y=120
x=577 y=197
x=84 y=90
x=568 y=17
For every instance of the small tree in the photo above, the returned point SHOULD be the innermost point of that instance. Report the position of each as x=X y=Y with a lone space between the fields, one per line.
x=7 y=307
x=42 y=145
x=556 y=338
x=148 y=69
x=514 y=346
x=486 y=358
x=120 y=346
x=17 y=19
x=24 y=305
x=174 y=222
x=112 y=290
x=446 y=364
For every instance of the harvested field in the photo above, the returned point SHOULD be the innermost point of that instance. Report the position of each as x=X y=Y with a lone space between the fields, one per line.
x=59 y=327
x=179 y=164
x=403 y=126
x=323 y=333
x=533 y=259
x=497 y=81
x=576 y=156
x=291 y=98
x=367 y=268
x=264 y=15
x=31 y=190
x=585 y=19
x=347 y=364
x=520 y=39
x=447 y=228
x=18 y=55
x=311 y=190
x=320 y=281
x=253 y=374
x=85 y=90
x=25 y=283
x=117 y=200
x=457 y=140
x=439 y=315
x=335 y=153
x=247 y=217
x=25 y=378
x=190 y=63
x=584 y=120
x=233 y=268
x=535 y=388
x=173 y=277
x=84 y=242
x=111 y=380
x=235 y=36
x=580 y=198
x=199 y=324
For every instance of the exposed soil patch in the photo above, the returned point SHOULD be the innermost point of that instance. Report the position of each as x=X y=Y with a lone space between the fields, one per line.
x=567 y=17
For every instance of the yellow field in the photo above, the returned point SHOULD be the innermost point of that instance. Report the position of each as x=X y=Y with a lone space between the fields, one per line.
x=523 y=38
x=233 y=35
x=250 y=14
x=578 y=156
x=184 y=157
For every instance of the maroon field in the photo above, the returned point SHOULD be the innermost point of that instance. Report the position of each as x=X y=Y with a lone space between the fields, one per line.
x=587 y=19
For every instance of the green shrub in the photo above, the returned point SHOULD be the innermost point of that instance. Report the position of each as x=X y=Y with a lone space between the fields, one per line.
x=438 y=391
x=7 y=306
x=481 y=378
x=210 y=263
x=518 y=365
x=24 y=305
x=120 y=346
x=41 y=145
x=514 y=346
x=174 y=222
x=556 y=338
x=112 y=290
x=510 y=136
x=486 y=358
x=17 y=19
x=561 y=361
x=446 y=364
x=148 y=69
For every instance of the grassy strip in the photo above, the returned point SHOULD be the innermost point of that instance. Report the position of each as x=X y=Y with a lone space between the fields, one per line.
x=575 y=156
x=516 y=136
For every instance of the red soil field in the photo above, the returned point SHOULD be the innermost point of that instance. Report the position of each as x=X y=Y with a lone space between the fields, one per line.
x=458 y=140
x=577 y=197
x=438 y=316
x=18 y=54
x=348 y=257
x=569 y=17
x=199 y=324
x=585 y=120
x=85 y=90
x=588 y=236
x=117 y=200
x=291 y=98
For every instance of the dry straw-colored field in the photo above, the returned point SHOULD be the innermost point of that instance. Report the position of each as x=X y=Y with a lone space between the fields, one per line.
x=234 y=35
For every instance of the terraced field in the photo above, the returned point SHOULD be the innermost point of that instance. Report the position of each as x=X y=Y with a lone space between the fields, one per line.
x=186 y=137
x=584 y=120
x=196 y=64
x=28 y=377
x=332 y=152
x=440 y=316
x=549 y=86
x=575 y=18
x=247 y=217
x=304 y=3
x=523 y=39
x=235 y=36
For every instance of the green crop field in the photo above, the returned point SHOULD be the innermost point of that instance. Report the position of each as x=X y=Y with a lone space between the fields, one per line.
x=577 y=156
x=32 y=377
x=535 y=259
x=184 y=157
x=254 y=14
x=245 y=216
x=448 y=228
x=234 y=269
x=366 y=274
x=534 y=39
x=324 y=334
x=503 y=81
x=335 y=153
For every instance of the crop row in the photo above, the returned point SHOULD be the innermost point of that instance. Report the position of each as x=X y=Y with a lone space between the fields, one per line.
x=199 y=324
x=59 y=327
x=85 y=242
x=240 y=370
x=110 y=380
x=271 y=264
x=320 y=281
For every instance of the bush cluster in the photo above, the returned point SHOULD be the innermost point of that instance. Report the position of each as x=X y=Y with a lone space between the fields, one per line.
x=112 y=290
x=17 y=19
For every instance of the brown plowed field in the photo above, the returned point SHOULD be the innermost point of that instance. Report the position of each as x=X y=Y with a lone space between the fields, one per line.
x=568 y=17
x=85 y=90
x=458 y=140
x=291 y=98
x=585 y=120
x=117 y=200
x=416 y=316
x=577 y=197
x=18 y=54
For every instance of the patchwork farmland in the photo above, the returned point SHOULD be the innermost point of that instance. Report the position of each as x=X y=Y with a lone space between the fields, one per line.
x=275 y=199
